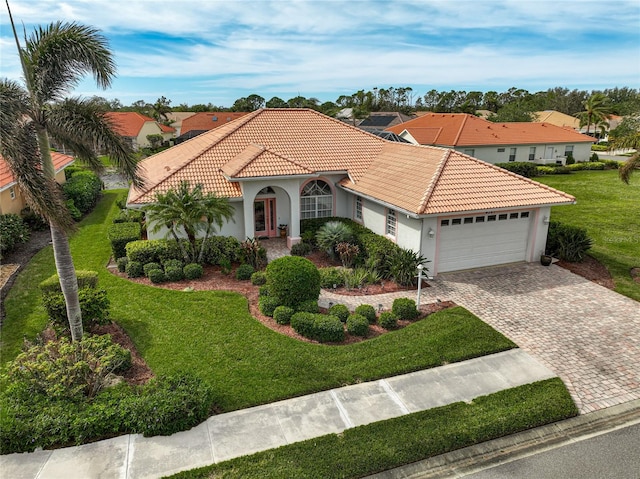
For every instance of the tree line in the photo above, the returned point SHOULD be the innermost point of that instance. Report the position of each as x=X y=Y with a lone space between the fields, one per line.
x=515 y=104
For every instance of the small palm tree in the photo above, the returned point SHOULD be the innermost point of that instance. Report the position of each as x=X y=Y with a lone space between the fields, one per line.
x=596 y=111
x=54 y=59
x=632 y=140
x=188 y=211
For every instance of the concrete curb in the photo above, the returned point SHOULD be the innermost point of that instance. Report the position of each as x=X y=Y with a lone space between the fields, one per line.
x=482 y=456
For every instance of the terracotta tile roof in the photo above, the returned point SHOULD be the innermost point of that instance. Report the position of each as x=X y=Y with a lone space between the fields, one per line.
x=461 y=129
x=208 y=120
x=129 y=123
x=429 y=180
x=557 y=118
x=60 y=162
x=274 y=142
x=306 y=138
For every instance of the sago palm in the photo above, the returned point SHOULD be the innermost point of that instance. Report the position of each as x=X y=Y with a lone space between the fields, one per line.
x=54 y=59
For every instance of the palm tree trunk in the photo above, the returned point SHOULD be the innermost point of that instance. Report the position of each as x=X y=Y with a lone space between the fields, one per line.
x=62 y=253
x=68 y=281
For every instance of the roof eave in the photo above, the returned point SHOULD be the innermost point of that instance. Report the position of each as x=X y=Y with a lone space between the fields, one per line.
x=411 y=214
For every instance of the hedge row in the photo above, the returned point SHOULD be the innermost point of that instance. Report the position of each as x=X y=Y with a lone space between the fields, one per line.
x=121 y=234
x=83 y=188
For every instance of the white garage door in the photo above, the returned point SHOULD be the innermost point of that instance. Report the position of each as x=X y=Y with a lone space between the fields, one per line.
x=483 y=240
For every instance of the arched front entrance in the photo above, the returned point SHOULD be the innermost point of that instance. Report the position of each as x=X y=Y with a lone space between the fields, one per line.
x=264 y=217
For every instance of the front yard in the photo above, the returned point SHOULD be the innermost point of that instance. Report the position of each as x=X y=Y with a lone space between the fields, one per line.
x=609 y=210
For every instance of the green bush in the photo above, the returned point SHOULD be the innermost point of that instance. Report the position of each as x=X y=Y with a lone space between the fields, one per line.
x=593 y=165
x=301 y=249
x=332 y=233
x=13 y=231
x=244 y=272
x=340 y=311
x=147 y=268
x=330 y=276
x=84 y=189
x=611 y=164
x=94 y=305
x=570 y=159
x=253 y=253
x=405 y=308
x=328 y=329
x=172 y=263
x=268 y=305
x=388 y=320
x=218 y=248
x=129 y=216
x=376 y=250
x=403 y=266
x=86 y=279
x=259 y=278
x=355 y=278
x=193 y=271
x=309 y=306
x=293 y=279
x=157 y=276
x=594 y=157
x=174 y=273
x=33 y=220
x=153 y=251
x=368 y=312
x=302 y=323
x=134 y=269
x=75 y=213
x=599 y=147
x=225 y=265
x=71 y=170
x=282 y=314
x=567 y=242
x=522 y=168
x=357 y=325
x=122 y=264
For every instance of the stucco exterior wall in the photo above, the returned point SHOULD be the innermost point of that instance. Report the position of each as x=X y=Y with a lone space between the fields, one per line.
x=17 y=204
x=149 y=128
x=490 y=154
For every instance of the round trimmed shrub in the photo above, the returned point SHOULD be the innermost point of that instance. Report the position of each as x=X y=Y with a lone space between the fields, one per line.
x=368 y=312
x=263 y=290
x=340 y=311
x=405 y=308
x=192 y=271
x=147 y=268
x=134 y=269
x=268 y=305
x=301 y=249
x=302 y=323
x=388 y=320
x=293 y=280
x=122 y=264
x=172 y=263
x=282 y=314
x=157 y=276
x=328 y=329
x=174 y=273
x=259 y=278
x=310 y=306
x=357 y=325
x=330 y=276
x=244 y=272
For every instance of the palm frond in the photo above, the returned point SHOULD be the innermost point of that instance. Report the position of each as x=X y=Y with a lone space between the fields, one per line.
x=629 y=167
x=59 y=55
x=81 y=125
x=14 y=105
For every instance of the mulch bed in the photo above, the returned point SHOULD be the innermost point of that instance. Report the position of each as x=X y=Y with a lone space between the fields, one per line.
x=591 y=269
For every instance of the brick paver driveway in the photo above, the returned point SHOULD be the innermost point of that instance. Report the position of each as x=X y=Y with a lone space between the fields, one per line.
x=588 y=335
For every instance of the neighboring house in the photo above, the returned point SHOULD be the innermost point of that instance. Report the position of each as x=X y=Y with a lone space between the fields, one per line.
x=540 y=143
x=11 y=199
x=279 y=166
x=558 y=119
x=135 y=127
x=199 y=123
x=177 y=117
x=381 y=120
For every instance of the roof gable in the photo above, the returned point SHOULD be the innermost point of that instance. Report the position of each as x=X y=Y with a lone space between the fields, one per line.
x=462 y=129
x=60 y=162
x=129 y=123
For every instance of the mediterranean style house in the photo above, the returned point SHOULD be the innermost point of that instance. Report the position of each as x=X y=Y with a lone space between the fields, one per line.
x=540 y=143
x=11 y=199
x=135 y=128
x=280 y=166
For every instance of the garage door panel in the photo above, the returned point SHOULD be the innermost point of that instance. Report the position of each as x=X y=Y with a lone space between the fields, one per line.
x=486 y=243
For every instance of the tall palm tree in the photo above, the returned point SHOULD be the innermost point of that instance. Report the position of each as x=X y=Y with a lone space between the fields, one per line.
x=596 y=111
x=188 y=211
x=54 y=59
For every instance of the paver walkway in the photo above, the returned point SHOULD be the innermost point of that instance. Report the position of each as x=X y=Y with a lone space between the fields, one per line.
x=587 y=334
x=247 y=431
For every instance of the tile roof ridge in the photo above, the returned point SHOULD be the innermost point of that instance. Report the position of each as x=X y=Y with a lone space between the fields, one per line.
x=462 y=125
x=335 y=120
x=424 y=201
x=252 y=155
x=290 y=160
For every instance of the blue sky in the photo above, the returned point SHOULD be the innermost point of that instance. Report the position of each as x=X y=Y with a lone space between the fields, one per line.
x=211 y=51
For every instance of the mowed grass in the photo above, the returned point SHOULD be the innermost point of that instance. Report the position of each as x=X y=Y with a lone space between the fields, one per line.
x=610 y=211
x=212 y=334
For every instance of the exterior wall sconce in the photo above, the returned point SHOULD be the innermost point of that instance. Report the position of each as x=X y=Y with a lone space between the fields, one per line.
x=431 y=233
x=545 y=220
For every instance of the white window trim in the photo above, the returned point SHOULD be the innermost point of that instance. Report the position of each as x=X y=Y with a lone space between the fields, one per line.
x=391 y=227
x=358 y=209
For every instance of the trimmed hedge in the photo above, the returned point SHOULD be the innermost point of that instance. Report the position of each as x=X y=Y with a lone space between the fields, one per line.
x=147 y=268
x=193 y=271
x=340 y=311
x=368 y=312
x=129 y=216
x=134 y=269
x=156 y=275
x=282 y=314
x=268 y=305
x=259 y=278
x=84 y=189
x=405 y=308
x=122 y=264
x=244 y=272
x=309 y=306
x=330 y=276
x=293 y=280
x=357 y=325
x=152 y=251
x=174 y=273
x=388 y=320
x=522 y=168
x=86 y=279
x=94 y=306
x=328 y=329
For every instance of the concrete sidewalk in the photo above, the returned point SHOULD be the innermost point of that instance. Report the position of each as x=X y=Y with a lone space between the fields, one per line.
x=247 y=431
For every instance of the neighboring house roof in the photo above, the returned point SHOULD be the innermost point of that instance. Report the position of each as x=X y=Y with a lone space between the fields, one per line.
x=302 y=142
x=462 y=129
x=557 y=118
x=380 y=120
x=209 y=120
x=129 y=123
x=7 y=179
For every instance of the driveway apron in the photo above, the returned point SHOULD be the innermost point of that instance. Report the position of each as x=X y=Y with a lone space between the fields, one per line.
x=587 y=334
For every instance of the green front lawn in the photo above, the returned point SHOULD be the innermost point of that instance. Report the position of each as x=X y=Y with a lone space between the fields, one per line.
x=610 y=211
x=212 y=334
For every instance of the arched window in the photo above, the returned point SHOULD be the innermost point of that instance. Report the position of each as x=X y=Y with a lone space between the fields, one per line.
x=316 y=200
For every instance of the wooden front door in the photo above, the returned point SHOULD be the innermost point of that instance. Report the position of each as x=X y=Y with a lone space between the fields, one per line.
x=264 y=217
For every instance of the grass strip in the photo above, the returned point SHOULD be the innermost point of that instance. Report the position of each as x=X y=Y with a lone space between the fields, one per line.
x=392 y=443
